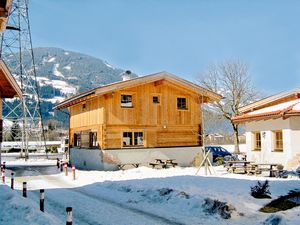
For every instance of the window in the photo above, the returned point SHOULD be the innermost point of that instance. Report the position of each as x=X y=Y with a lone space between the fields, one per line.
x=133 y=139
x=93 y=140
x=155 y=99
x=77 y=139
x=278 y=140
x=85 y=139
x=83 y=106
x=257 y=141
x=126 y=101
x=138 y=138
x=127 y=139
x=181 y=103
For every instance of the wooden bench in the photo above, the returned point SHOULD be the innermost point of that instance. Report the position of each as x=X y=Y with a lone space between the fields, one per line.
x=121 y=166
x=273 y=169
x=154 y=164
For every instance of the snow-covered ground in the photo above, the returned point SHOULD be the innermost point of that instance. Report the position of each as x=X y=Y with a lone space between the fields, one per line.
x=143 y=196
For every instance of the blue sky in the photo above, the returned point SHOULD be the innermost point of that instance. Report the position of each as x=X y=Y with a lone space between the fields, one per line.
x=179 y=36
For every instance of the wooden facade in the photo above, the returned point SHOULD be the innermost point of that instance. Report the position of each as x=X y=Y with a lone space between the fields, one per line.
x=158 y=110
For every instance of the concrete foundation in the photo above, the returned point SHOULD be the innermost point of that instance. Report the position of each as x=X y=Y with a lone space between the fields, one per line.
x=109 y=159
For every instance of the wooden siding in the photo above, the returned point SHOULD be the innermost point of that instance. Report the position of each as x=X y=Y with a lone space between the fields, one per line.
x=162 y=124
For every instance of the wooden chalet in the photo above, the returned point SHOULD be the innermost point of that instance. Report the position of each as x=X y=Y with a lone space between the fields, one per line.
x=153 y=111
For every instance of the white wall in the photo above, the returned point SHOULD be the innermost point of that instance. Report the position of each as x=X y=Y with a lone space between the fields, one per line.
x=291 y=140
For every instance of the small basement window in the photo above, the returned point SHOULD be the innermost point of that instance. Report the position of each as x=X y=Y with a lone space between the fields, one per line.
x=181 y=103
x=126 y=101
x=155 y=99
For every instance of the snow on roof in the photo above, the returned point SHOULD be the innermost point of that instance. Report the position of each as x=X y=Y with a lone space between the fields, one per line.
x=283 y=110
x=279 y=107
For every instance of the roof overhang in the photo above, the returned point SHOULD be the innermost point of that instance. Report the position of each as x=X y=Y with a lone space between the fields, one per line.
x=110 y=88
x=284 y=110
x=271 y=100
x=9 y=88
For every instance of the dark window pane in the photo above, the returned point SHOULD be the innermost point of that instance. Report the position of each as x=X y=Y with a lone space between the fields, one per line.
x=181 y=103
x=126 y=100
x=155 y=99
x=127 y=138
x=138 y=138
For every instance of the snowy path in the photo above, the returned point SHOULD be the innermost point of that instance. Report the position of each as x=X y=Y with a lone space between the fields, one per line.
x=87 y=208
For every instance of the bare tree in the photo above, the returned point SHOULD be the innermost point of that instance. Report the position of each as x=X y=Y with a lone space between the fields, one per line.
x=231 y=80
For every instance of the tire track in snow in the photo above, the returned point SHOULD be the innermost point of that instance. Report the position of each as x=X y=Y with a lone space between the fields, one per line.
x=99 y=200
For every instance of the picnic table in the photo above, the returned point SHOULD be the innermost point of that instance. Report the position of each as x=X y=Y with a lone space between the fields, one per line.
x=122 y=165
x=257 y=168
x=163 y=163
x=237 y=166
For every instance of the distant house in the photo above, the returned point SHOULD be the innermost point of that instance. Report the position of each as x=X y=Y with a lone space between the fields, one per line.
x=137 y=120
x=9 y=88
x=273 y=129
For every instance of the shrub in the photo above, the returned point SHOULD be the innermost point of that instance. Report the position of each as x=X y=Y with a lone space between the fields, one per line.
x=211 y=206
x=219 y=161
x=261 y=190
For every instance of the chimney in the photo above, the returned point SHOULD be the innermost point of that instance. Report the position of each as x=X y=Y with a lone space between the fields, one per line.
x=126 y=75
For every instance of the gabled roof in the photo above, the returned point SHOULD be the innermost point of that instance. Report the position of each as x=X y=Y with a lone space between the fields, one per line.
x=110 y=88
x=9 y=88
x=282 y=105
x=272 y=100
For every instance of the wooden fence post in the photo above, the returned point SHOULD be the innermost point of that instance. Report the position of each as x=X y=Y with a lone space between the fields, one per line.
x=66 y=169
x=73 y=172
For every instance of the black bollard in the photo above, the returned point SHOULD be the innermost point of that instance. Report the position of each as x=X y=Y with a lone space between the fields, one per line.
x=12 y=181
x=69 y=215
x=57 y=163
x=24 y=189
x=42 y=199
x=61 y=165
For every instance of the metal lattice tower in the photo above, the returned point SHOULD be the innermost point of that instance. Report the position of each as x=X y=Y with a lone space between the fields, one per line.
x=16 y=51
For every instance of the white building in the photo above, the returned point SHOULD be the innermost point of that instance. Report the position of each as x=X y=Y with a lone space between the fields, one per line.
x=273 y=129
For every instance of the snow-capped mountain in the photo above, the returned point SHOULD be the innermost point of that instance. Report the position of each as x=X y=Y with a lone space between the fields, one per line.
x=61 y=74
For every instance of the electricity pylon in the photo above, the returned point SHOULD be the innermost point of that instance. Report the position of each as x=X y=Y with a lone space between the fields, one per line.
x=16 y=51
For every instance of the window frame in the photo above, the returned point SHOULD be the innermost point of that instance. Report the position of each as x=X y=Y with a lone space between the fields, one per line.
x=275 y=141
x=77 y=140
x=186 y=103
x=122 y=103
x=158 y=99
x=93 y=143
x=133 y=141
x=256 y=146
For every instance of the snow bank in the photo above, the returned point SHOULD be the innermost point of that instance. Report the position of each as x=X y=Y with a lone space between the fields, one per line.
x=18 y=210
x=175 y=194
